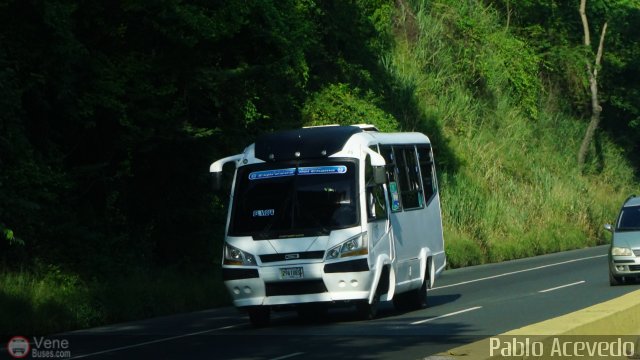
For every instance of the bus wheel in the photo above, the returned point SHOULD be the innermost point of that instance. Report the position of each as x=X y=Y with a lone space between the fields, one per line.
x=412 y=300
x=259 y=316
x=415 y=299
x=421 y=295
x=368 y=311
x=401 y=302
x=418 y=297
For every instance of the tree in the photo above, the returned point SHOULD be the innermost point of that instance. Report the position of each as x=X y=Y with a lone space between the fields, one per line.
x=592 y=71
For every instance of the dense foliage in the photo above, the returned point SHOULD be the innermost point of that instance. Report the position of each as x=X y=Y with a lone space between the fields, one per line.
x=554 y=30
x=113 y=110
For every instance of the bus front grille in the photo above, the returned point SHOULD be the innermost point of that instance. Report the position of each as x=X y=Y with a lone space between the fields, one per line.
x=295 y=288
x=305 y=255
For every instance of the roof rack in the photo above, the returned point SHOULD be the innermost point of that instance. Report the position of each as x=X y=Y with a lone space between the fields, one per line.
x=366 y=127
x=319 y=126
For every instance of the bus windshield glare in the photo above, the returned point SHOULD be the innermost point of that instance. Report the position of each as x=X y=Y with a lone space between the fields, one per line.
x=294 y=200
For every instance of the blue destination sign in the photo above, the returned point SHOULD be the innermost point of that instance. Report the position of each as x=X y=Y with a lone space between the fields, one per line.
x=322 y=170
x=267 y=174
x=312 y=170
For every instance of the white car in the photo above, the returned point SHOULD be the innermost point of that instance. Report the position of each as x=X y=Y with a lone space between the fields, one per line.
x=624 y=253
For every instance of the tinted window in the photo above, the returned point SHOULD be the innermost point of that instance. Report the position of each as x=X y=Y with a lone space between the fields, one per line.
x=408 y=177
x=629 y=218
x=426 y=169
x=392 y=177
x=305 y=199
x=376 y=205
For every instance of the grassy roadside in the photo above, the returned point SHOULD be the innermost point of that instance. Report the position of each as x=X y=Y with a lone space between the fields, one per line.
x=514 y=188
x=50 y=301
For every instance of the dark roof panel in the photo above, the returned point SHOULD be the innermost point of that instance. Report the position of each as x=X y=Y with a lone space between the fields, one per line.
x=316 y=142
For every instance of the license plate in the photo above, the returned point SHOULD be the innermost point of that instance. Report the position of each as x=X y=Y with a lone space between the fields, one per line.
x=291 y=273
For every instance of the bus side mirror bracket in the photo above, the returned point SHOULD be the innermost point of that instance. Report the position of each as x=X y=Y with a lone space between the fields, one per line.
x=378 y=163
x=216 y=170
x=379 y=175
x=216 y=181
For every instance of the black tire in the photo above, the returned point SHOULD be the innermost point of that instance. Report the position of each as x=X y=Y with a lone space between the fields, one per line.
x=420 y=298
x=615 y=280
x=415 y=299
x=401 y=302
x=260 y=316
x=368 y=311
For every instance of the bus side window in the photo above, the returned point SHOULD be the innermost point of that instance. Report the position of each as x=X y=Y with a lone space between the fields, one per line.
x=426 y=170
x=408 y=177
x=392 y=183
x=376 y=205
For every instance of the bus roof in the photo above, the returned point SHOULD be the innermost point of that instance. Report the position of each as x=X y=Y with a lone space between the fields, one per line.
x=323 y=141
x=400 y=138
x=315 y=142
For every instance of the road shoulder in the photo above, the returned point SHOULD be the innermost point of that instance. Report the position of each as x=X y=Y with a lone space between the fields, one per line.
x=602 y=327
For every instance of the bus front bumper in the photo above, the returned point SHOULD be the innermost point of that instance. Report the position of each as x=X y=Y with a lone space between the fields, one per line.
x=319 y=282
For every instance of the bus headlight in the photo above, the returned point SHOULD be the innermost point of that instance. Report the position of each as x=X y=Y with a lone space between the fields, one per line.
x=620 y=251
x=235 y=256
x=357 y=245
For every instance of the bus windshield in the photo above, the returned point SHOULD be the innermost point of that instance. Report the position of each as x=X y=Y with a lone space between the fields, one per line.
x=295 y=199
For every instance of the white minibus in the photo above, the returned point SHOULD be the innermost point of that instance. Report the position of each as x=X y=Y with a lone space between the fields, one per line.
x=332 y=215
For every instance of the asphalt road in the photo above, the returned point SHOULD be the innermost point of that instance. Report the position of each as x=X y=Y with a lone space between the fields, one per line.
x=466 y=305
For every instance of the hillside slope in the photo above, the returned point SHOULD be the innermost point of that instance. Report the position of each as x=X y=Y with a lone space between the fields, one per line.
x=513 y=187
x=506 y=142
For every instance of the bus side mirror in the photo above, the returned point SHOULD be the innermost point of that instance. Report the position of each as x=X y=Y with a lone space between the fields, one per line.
x=216 y=181
x=378 y=164
x=379 y=175
x=216 y=170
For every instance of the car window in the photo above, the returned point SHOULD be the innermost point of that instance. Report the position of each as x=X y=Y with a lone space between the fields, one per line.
x=629 y=218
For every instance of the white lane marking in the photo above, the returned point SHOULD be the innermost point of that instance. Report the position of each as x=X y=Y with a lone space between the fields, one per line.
x=518 y=272
x=562 y=286
x=446 y=315
x=288 y=356
x=152 y=342
x=228 y=327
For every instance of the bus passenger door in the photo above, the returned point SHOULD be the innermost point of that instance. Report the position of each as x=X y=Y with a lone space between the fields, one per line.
x=378 y=226
x=381 y=238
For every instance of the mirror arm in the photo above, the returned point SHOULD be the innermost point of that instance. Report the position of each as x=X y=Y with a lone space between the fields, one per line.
x=217 y=165
x=379 y=166
x=376 y=159
x=216 y=170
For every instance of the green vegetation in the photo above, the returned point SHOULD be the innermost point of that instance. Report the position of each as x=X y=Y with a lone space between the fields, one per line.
x=516 y=189
x=112 y=113
x=50 y=299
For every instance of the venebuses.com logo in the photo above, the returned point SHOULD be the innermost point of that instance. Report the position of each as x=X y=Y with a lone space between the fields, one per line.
x=19 y=347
